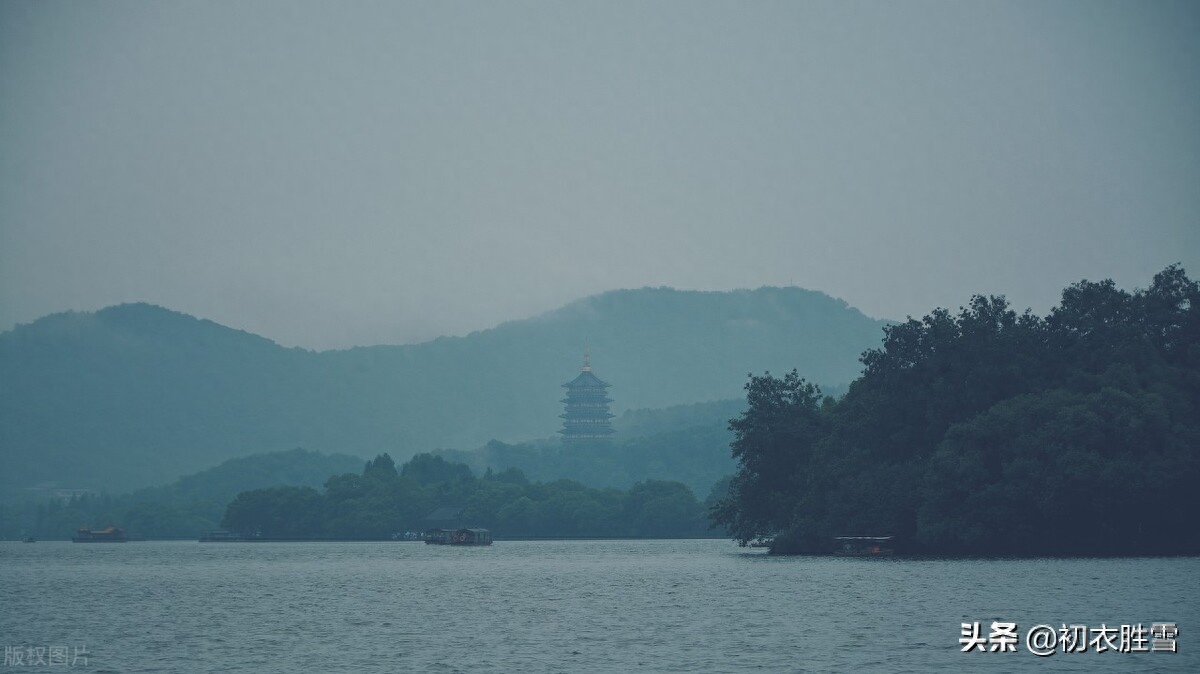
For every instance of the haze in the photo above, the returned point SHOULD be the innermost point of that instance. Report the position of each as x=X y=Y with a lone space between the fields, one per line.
x=333 y=174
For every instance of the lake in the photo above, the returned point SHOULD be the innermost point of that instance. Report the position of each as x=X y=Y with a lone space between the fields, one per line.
x=573 y=606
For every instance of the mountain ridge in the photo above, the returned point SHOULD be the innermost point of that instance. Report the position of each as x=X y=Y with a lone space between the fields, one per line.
x=136 y=394
x=125 y=309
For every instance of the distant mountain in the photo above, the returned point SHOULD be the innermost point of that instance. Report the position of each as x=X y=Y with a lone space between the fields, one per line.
x=644 y=422
x=135 y=394
x=219 y=484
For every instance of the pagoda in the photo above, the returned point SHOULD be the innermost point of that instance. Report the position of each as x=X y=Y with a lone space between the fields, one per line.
x=586 y=417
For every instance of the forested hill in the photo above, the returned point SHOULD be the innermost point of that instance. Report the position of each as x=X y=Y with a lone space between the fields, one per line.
x=135 y=395
x=992 y=432
x=183 y=509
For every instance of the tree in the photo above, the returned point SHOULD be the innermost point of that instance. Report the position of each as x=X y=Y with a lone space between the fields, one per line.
x=278 y=512
x=658 y=508
x=381 y=468
x=429 y=469
x=981 y=432
x=774 y=442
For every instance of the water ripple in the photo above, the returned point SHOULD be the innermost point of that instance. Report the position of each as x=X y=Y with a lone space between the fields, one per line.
x=564 y=606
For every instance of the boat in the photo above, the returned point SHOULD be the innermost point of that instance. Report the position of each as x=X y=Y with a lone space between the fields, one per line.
x=29 y=539
x=458 y=537
x=864 y=546
x=109 y=535
x=762 y=542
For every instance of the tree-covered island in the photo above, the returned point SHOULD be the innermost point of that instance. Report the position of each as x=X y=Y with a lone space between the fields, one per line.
x=991 y=433
x=383 y=501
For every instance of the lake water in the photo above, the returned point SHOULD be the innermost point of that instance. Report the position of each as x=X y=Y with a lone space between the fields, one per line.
x=574 y=606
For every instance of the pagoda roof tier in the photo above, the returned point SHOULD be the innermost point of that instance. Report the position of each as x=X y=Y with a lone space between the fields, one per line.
x=586 y=379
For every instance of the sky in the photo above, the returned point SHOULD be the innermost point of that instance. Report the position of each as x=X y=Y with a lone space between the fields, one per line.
x=338 y=174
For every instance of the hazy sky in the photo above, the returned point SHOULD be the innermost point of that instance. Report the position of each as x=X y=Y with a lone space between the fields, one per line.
x=336 y=173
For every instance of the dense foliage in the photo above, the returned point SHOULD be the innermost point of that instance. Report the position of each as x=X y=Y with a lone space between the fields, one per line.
x=989 y=432
x=383 y=501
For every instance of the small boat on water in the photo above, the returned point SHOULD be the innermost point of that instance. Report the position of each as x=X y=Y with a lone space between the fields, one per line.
x=864 y=546
x=762 y=542
x=458 y=537
x=29 y=539
x=109 y=535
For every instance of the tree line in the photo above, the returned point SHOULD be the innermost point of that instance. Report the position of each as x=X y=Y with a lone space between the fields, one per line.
x=990 y=432
x=383 y=501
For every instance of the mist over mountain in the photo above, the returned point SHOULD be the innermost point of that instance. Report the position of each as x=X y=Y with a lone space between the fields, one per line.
x=135 y=394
